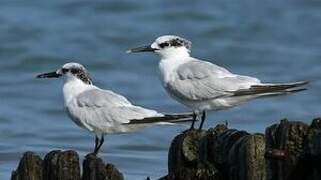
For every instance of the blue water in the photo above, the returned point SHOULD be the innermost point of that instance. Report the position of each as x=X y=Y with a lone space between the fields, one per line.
x=275 y=41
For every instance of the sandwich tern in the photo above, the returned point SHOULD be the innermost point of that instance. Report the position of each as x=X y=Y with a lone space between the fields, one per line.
x=103 y=111
x=203 y=86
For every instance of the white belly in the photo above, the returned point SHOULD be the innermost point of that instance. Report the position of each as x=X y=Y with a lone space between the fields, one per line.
x=210 y=105
x=217 y=104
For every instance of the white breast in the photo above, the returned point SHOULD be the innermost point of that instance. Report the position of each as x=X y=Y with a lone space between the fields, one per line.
x=168 y=67
x=72 y=88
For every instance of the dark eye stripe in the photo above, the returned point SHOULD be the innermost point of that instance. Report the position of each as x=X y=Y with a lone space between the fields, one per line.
x=165 y=44
x=64 y=70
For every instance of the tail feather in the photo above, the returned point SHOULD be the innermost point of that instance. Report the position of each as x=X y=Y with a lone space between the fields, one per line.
x=272 y=89
x=167 y=118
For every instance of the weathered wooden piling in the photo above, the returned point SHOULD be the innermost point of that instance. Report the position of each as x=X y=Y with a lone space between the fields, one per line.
x=246 y=158
x=183 y=160
x=30 y=168
x=287 y=139
x=311 y=163
x=288 y=151
x=63 y=165
x=95 y=169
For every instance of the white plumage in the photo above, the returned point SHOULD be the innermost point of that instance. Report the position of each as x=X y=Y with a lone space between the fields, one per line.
x=103 y=111
x=203 y=86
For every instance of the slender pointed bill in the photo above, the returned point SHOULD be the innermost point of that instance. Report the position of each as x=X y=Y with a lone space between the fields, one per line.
x=147 y=48
x=48 y=75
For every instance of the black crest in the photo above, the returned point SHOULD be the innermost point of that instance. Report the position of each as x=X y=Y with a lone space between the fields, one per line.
x=177 y=42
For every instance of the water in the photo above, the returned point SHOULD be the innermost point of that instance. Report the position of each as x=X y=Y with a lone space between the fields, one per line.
x=275 y=41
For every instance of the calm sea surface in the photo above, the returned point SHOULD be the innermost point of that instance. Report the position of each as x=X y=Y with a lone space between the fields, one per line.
x=275 y=41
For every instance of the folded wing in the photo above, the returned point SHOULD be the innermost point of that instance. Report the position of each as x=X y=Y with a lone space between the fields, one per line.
x=102 y=106
x=200 y=80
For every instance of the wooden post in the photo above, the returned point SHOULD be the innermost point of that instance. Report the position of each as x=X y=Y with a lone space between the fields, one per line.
x=246 y=158
x=288 y=151
x=30 y=168
x=60 y=165
x=218 y=144
x=63 y=165
x=309 y=167
x=218 y=154
x=183 y=158
x=95 y=169
x=284 y=144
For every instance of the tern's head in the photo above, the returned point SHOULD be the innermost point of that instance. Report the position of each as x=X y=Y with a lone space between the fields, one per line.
x=69 y=71
x=166 y=46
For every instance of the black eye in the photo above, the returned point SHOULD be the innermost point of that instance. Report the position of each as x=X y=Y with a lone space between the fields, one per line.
x=165 y=44
x=64 y=70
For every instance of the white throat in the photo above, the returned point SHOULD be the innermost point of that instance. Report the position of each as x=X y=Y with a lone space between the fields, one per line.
x=173 y=52
x=73 y=87
x=170 y=61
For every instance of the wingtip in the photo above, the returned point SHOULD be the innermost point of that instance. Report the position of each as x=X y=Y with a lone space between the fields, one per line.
x=296 y=90
x=37 y=76
x=182 y=114
x=303 y=82
x=168 y=118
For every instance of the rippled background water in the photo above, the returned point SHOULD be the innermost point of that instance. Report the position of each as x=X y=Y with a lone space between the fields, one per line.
x=275 y=41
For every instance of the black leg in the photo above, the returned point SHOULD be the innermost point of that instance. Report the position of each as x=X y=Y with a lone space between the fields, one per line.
x=96 y=143
x=203 y=119
x=99 y=145
x=194 y=119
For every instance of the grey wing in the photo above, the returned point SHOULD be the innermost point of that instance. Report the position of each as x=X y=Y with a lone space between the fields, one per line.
x=124 y=114
x=100 y=98
x=106 y=106
x=201 y=80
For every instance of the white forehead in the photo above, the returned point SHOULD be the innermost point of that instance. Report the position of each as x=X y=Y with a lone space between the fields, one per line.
x=166 y=38
x=73 y=65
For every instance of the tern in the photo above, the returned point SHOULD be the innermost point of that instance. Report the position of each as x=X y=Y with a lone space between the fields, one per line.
x=103 y=111
x=203 y=86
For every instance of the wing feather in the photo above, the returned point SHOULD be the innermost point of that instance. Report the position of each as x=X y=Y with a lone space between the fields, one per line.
x=101 y=98
x=98 y=107
x=201 y=80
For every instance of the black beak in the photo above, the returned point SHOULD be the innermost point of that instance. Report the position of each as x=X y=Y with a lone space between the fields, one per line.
x=141 y=49
x=48 y=75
